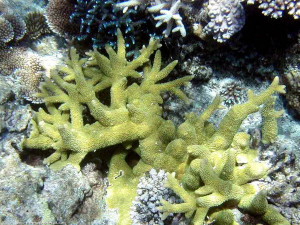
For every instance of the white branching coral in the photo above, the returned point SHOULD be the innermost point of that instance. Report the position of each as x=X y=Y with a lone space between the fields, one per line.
x=275 y=8
x=168 y=10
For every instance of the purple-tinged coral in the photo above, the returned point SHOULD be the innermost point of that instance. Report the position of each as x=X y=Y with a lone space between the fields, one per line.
x=9 y=59
x=11 y=24
x=233 y=93
x=225 y=18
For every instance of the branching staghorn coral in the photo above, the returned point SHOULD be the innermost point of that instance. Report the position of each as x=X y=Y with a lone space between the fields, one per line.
x=215 y=165
x=133 y=113
x=221 y=166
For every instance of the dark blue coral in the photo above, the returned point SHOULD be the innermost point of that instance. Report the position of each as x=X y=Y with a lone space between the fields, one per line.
x=100 y=19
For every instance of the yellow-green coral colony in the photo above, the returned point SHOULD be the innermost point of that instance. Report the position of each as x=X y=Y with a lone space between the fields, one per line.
x=214 y=165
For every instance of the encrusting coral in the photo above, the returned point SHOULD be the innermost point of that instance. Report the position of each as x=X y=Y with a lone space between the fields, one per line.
x=214 y=165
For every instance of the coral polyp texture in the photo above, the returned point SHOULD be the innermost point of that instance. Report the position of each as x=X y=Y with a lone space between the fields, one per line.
x=6 y=30
x=150 y=191
x=223 y=18
x=292 y=80
x=102 y=103
x=226 y=17
x=276 y=8
x=36 y=25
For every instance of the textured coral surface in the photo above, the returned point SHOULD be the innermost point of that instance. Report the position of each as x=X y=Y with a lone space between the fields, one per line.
x=122 y=134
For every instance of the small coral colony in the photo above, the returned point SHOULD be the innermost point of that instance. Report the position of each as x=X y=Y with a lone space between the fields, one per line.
x=209 y=170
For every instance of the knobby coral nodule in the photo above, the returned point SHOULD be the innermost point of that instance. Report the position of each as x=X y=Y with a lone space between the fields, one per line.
x=214 y=165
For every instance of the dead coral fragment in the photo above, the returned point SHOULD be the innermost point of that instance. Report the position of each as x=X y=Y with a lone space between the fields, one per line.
x=133 y=114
